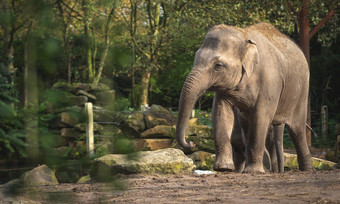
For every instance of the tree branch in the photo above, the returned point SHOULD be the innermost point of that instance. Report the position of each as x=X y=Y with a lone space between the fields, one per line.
x=321 y=23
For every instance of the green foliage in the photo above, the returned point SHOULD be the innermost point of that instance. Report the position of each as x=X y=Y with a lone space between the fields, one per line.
x=11 y=136
x=122 y=104
x=204 y=117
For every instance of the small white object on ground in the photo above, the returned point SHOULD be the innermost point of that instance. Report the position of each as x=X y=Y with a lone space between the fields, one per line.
x=203 y=172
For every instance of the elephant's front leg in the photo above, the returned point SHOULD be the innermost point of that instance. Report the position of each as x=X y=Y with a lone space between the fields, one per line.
x=257 y=134
x=223 y=120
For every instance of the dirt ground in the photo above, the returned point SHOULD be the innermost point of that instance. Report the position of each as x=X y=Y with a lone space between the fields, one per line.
x=288 y=187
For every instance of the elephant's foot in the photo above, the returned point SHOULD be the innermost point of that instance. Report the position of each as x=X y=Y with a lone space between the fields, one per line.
x=254 y=168
x=305 y=163
x=228 y=166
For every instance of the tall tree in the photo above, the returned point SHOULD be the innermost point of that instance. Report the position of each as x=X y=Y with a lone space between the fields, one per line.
x=65 y=13
x=149 y=46
x=91 y=21
x=304 y=37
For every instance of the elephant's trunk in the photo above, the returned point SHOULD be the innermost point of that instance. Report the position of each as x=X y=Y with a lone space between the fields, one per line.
x=195 y=85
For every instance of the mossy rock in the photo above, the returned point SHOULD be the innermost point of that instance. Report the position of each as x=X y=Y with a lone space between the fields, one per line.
x=152 y=144
x=131 y=123
x=163 y=116
x=201 y=144
x=203 y=160
x=74 y=87
x=39 y=176
x=319 y=164
x=84 y=179
x=160 y=131
x=164 y=161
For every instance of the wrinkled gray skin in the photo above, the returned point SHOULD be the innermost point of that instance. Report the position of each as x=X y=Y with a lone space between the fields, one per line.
x=262 y=73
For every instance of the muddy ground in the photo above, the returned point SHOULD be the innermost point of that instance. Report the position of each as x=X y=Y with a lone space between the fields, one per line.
x=288 y=187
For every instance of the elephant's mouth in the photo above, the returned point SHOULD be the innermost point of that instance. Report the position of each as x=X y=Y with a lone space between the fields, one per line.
x=217 y=89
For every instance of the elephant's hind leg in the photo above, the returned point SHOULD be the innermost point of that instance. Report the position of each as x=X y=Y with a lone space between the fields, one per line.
x=239 y=159
x=297 y=134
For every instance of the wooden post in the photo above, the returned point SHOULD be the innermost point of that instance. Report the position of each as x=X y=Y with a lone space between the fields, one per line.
x=192 y=113
x=324 y=122
x=89 y=129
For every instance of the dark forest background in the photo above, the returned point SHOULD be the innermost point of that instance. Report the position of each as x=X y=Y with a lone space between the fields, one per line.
x=142 y=49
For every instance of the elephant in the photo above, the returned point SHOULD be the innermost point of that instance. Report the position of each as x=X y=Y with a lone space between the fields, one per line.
x=273 y=159
x=265 y=75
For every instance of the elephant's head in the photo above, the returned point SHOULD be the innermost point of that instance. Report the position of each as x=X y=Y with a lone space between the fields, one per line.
x=225 y=58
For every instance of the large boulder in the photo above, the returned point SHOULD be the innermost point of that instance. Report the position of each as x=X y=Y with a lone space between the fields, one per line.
x=160 y=131
x=152 y=144
x=67 y=119
x=101 y=114
x=39 y=176
x=131 y=123
x=105 y=98
x=165 y=161
x=157 y=115
x=320 y=164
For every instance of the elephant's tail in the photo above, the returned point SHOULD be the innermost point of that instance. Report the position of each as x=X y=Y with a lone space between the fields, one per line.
x=311 y=129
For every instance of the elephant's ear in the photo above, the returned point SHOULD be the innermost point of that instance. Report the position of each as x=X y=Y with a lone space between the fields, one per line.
x=251 y=57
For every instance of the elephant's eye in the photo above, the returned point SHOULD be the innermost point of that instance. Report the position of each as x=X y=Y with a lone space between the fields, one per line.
x=218 y=66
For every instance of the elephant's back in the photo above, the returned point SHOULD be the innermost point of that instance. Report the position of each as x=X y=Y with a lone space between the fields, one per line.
x=280 y=45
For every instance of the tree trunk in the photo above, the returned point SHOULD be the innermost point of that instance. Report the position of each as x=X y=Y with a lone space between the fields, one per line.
x=144 y=89
x=31 y=99
x=304 y=37
x=9 y=31
x=106 y=46
x=88 y=41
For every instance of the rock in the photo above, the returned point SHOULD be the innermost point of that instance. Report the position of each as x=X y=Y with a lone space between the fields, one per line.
x=203 y=160
x=131 y=123
x=67 y=119
x=103 y=148
x=152 y=144
x=164 y=117
x=74 y=87
x=202 y=143
x=193 y=121
x=160 y=131
x=84 y=93
x=81 y=127
x=39 y=176
x=84 y=179
x=319 y=164
x=101 y=114
x=105 y=98
x=71 y=133
x=199 y=130
x=152 y=121
x=76 y=100
x=168 y=161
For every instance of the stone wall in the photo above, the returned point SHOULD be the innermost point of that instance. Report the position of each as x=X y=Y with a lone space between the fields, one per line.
x=66 y=102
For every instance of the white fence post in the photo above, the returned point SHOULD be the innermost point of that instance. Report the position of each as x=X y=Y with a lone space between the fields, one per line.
x=324 y=122
x=89 y=129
